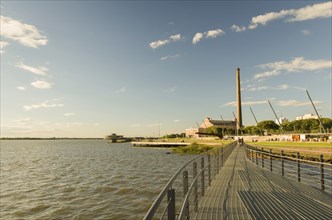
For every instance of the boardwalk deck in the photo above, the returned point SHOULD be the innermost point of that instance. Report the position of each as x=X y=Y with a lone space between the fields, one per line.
x=244 y=191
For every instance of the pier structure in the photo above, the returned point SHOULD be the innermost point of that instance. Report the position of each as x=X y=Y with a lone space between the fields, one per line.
x=242 y=182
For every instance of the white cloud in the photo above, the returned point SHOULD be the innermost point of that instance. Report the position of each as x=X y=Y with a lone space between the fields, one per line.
x=136 y=125
x=41 y=70
x=283 y=87
x=246 y=103
x=209 y=34
x=259 y=88
x=40 y=84
x=45 y=104
x=238 y=28
x=176 y=37
x=319 y=10
x=121 y=90
x=69 y=114
x=20 y=88
x=96 y=124
x=214 y=33
x=298 y=64
x=26 y=34
x=305 y=32
x=266 y=74
x=264 y=19
x=176 y=120
x=197 y=38
x=170 y=57
x=159 y=43
x=295 y=103
x=3 y=44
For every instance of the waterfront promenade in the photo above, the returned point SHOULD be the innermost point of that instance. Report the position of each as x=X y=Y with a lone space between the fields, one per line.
x=242 y=190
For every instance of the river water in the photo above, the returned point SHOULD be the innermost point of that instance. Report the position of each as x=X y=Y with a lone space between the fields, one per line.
x=81 y=179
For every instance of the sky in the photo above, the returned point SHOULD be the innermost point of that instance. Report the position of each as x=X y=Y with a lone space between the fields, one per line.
x=150 y=68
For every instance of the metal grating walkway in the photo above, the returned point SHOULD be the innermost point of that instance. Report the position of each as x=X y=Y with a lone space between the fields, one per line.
x=244 y=191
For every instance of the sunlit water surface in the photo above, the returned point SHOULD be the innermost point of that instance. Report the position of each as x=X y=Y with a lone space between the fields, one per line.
x=81 y=179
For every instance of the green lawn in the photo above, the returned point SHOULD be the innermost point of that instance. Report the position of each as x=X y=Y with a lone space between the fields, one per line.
x=310 y=150
x=291 y=144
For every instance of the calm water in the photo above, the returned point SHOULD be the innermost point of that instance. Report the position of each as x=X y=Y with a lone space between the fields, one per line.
x=75 y=179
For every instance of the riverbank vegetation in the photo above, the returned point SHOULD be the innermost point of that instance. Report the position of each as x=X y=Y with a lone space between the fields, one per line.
x=200 y=147
x=193 y=148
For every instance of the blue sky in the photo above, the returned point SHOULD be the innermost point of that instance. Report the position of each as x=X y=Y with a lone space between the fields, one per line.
x=90 y=68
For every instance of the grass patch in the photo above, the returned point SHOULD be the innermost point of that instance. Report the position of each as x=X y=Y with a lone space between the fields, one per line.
x=308 y=150
x=193 y=148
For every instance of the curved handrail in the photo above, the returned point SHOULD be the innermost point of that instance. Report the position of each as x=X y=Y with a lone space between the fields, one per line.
x=162 y=194
x=151 y=212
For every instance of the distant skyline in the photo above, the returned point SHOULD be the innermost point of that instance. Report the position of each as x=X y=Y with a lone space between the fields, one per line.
x=137 y=68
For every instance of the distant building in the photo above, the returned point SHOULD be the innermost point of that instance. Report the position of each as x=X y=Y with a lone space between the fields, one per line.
x=281 y=120
x=307 y=116
x=192 y=132
x=208 y=122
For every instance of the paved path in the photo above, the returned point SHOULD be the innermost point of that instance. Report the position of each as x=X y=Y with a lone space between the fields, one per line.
x=244 y=191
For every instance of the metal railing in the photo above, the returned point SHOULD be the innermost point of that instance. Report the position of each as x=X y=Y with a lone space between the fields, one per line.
x=182 y=192
x=314 y=173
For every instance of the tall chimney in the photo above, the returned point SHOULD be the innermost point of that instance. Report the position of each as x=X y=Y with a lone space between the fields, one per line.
x=238 y=100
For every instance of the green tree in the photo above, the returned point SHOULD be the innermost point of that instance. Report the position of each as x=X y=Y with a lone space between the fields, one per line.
x=269 y=125
x=327 y=123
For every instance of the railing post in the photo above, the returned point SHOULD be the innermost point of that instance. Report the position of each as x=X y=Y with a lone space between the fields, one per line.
x=215 y=165
x=322 y=186
x=252 y=155
x=271 y=160
x=222 y=156
x=202 y=177
x=298 y=167
x=171 y=204
x=256 y=156
x=185 y=191
x=262 y=154
x=282 y=163
x=218 y=161
x=209 y=168
x=195 y=187
x=185 y=183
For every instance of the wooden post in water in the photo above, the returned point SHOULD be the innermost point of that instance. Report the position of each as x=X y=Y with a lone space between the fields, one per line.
x=322 y=186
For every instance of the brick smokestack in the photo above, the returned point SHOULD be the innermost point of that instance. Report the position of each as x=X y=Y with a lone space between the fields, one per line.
x=238 y=100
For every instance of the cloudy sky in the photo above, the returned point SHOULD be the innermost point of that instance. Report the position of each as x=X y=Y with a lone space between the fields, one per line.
x=90 y=68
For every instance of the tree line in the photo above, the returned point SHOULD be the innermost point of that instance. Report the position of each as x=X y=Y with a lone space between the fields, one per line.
x=270 y=127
